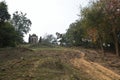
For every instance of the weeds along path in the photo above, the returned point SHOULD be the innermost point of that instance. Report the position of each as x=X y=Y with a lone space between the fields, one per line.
x=95 y=70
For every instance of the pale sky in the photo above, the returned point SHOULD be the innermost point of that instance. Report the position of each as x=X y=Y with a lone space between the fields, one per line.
x=48 y=16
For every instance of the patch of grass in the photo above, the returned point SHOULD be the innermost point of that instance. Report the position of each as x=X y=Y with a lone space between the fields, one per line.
x=41 y=64
x=39 y=49
x=53 y=64
x=54 y=69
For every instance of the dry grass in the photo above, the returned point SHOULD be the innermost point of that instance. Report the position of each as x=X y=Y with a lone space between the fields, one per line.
x=52 y=64
x=42 y=64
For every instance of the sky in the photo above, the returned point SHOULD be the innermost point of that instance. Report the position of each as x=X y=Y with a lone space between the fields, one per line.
x=48 y=16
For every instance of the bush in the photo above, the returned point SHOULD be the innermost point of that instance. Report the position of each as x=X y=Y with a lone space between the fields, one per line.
x=7 y=35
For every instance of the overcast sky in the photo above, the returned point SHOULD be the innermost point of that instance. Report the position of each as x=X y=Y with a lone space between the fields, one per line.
x=48 y=16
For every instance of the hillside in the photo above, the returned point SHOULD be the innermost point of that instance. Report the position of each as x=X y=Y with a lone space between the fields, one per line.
x=52 y=64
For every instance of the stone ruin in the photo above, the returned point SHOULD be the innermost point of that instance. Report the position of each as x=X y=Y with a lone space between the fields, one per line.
x=33 y=39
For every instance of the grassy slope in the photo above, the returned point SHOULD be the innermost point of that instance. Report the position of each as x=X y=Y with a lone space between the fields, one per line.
x=42 y=64
x=45 y=64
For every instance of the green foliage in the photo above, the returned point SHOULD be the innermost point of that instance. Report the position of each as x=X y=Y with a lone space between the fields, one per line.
x=75 y=33
x=8 y=35
x=49 y=39
x=4 y=15
x=95 y=23
x=21 y=23
x=112 y=11
x=98 y=24
x=12 y=34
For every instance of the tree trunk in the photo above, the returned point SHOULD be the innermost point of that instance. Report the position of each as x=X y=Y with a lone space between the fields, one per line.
x=102 y=49
x=116 y=43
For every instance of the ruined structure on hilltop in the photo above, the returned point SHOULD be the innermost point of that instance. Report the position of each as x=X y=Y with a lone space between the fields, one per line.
x=33 y=39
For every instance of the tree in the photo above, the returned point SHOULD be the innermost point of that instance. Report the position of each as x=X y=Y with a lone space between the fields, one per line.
x=4 y=15
x=112 y=11
x=21 y=23
x=95 y=19
x=100 y=21
x=75 y=33
x=104 y=16
x=49 y=39
x=8 y=35
x=40 y=39
x=7 y=31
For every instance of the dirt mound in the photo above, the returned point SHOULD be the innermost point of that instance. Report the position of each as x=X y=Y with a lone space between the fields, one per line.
x=109 y=60
x=95 y=70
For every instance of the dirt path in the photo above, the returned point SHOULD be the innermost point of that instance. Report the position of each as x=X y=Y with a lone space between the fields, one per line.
x=94 y=70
